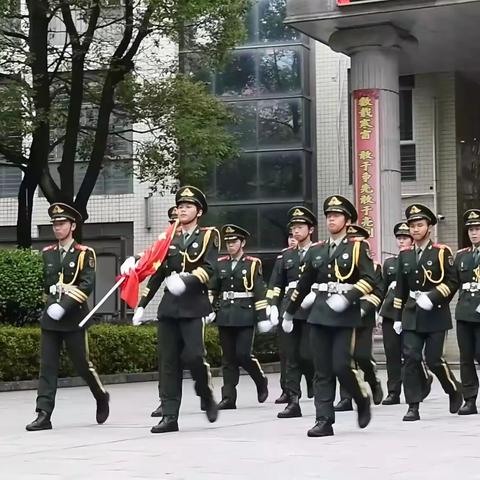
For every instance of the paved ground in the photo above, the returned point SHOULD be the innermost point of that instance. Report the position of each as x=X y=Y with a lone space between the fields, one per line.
x=249 y=443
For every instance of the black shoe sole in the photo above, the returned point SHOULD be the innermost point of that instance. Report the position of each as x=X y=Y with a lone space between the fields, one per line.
x=411 y=419
x=315 y=435
x=343 y=409
x=38 y=429
x=391 y=402
x=165 y=430
x=157 y=414
x=227 y=407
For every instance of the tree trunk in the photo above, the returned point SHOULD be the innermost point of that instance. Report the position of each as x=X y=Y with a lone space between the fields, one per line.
x=24 y=213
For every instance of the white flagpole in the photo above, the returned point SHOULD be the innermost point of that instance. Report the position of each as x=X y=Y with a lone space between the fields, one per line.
x=101 y=302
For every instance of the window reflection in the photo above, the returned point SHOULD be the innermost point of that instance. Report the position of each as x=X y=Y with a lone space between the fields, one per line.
x=270 y=24
x=281 y=174
x=238 y=77
x=237 y=179
x=279 y=70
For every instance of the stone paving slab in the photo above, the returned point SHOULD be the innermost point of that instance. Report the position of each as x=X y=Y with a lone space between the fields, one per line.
x=247 y=443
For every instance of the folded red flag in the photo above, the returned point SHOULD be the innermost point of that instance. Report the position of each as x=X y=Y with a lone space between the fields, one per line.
x=147 y=266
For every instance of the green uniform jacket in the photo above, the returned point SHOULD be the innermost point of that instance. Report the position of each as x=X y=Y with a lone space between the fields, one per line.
x=467 y=272
x=246 y=277
x=434 y=275
x=273 y=278
x=351 y=264
x=390 y=268
x=287 y=269
x=371 y=303
x=76 y=274
x=198 y=256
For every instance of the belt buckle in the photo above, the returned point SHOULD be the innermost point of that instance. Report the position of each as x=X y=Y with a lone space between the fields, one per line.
x=332 y=287
x=474 y=287
x=230 y=295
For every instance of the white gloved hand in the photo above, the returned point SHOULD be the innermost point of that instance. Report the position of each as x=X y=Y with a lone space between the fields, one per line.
x=397 y=326
x=210 y=318
x=362 y=312
x=478 y=309
x=264 y=326
x=274 y=315
x=137 y=316
x=287 y=323
x=338 y=303
x=128 y=265
x=53 y=290
x=424 y=302
x=379 y=320
x=55 y=311
x=268 y=310
x=176 y=286
x=309 y=300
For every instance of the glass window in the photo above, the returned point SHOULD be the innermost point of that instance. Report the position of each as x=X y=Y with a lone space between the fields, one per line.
x=281 y=175
x=280 y=122
x=406 y=115
x=10 y=179
x=280 y=70
x=408 y=162
x=245 y=127
x=273 y=226
x=237 y=179
x=270 y=24
x=238 y=76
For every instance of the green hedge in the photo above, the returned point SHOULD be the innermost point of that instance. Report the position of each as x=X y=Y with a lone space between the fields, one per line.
x=113 y=349
x=21 y=289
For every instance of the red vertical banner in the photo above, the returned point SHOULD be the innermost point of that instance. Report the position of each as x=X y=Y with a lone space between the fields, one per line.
x=367 y=165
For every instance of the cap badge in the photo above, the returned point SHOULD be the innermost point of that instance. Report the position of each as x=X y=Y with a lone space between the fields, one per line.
x=334 y=201
x=414 y=209
x=57 y=209
x=473 y=215
x=297 y=212
x=187 y=193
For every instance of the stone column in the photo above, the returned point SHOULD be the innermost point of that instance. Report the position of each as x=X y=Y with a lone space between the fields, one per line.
x=374 y=53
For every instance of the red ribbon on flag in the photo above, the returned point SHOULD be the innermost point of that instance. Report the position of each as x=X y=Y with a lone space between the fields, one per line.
x=147 y=266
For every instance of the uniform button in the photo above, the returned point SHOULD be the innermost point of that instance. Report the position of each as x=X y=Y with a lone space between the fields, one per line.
x=416 y=271
x=329 y=266
x=231 y=301
x=418 y=281
x=329 y=275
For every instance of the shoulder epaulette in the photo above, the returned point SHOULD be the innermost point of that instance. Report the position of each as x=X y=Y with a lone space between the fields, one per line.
x=462 y=250
x=81 y=247
x=252 y=259
x=49 y=247
x=226 y=257
x=442 y=246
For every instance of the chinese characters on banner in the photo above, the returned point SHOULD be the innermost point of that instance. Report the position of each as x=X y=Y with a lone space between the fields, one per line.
x=367 y=165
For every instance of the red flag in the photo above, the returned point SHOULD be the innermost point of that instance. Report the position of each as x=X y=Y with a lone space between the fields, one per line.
x=147 y=265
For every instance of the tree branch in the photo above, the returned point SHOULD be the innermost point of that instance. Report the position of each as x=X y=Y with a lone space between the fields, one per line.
x=127 y=34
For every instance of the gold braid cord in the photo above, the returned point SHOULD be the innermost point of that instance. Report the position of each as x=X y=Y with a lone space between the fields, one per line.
x=248 y=287
x=428 y=273
x=186 y=256
x=477 y=273
x=356 y=256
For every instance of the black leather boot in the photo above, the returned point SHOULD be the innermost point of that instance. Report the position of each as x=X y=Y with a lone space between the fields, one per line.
x=364 y=414
x=377 y=393
x=158 y=412
x=412 y=414
x=322 y=428
x=42 y=422
x=310 y=391
x=283 y=398
x=344 y=405
x=455 y=401
x=262 y=390
x=391 y=399
x=469 y=407
x=103 y=408
x=211 y=409
x=292 y=410
x=226 y=404
x=167 y=424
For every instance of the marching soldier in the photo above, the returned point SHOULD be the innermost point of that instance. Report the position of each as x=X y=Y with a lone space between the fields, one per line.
x=69 y=277
x=339 y=272
x=426 y=283
x=238 y=292
x=363 y=352
x=298 y=358
x=186 y=271
x=281 y=336
x=137 y=320
x=467 y=312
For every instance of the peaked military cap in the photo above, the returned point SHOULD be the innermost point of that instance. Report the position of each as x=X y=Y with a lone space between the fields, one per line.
x=337 y=203
x=402 y=228
x=358 y=231
x=234 y=232
x=417 y=211
x=62 y=211
x=301 y=214
x=172 y=214
x=191 y=195
x=471 y=217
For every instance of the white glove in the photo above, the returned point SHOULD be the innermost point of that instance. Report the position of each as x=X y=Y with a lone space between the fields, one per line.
x=424 y=302
x=338 y=303
x=55 y=311
x=128 y=265
x=53 y=290
x=210 y=318
x=309 y=300
x=379 y=320
x=137 y=316
x=362 y=312
x=176 y=286
x=397 y=326
x=274 y=315
x=478 y=308
x=268 y=310
x=287 y=323
x=264 y=326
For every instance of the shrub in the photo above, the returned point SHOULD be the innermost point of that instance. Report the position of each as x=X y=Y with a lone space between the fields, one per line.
x=21 y=286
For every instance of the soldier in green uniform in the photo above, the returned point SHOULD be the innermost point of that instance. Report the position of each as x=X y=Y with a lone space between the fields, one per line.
x=467 y=312
x=281 y=335
x=137 y=320
x=298 y=357
x=238 y=294
x=69 y=277
x=186 y=271
x=363 y=353
x=340 y=272
x=426 y=283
